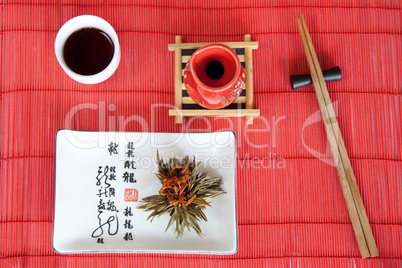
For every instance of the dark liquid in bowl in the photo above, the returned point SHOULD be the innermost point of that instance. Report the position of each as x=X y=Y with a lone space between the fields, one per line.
x=88 y=51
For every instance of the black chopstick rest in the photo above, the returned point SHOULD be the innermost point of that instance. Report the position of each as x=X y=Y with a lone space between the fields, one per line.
x=298 y=81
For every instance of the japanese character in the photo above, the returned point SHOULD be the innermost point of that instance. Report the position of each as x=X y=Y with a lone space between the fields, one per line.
x=129 y=177
x=112 y=177
x=130 y=145
x=102 y=175
x=111 y=206
x=101 y=205
x=127 y=212
x=128 y=236
x=130 y=153
x=113 y=148
x=128 y=225
x=112 y=192
x=129 y=164
x=102 y=193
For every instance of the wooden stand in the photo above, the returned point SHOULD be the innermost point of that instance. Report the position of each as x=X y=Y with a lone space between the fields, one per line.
x=185 y=106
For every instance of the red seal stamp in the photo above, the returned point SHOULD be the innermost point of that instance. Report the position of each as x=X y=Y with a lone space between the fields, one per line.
x=130 y=195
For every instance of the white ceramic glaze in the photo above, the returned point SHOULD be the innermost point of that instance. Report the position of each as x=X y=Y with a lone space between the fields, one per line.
x=72 y=26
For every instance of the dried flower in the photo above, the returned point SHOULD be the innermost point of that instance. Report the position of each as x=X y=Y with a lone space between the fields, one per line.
x=183 y=194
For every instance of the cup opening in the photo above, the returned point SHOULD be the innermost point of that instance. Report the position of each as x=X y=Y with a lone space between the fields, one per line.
x=88 y=51
x=215 y=67
x=215 y=70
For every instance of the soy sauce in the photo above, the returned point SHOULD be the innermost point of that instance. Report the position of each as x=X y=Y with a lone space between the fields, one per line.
x=88 y=51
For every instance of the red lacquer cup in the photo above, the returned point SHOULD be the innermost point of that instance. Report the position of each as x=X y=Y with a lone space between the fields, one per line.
x=213 y=76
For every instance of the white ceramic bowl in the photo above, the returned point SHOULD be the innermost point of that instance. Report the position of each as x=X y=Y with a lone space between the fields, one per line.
x=76 y=24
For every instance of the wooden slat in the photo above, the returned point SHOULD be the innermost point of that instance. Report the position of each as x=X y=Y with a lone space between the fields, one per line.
x=189 y=100
x=183 y=87
x=178 y=75
x=216 y=113
x=182 y=72
x=252 y=45
x=249 y=77
x=186 y=58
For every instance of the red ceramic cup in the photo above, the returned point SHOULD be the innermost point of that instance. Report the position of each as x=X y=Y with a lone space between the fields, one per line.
x=213 y=76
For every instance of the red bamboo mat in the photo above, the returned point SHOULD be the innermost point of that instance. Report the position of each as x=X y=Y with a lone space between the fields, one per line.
x=289 y=214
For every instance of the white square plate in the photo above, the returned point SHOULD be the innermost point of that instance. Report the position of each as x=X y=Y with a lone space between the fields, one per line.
x=95 y=201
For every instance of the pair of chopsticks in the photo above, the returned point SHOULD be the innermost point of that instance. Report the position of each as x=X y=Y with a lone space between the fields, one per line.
x=354 y=203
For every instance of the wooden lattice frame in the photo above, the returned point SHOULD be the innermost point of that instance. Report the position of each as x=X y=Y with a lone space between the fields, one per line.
x=179 y=112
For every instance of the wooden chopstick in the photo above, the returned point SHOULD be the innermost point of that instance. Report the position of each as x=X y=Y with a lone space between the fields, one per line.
x=354 y=203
